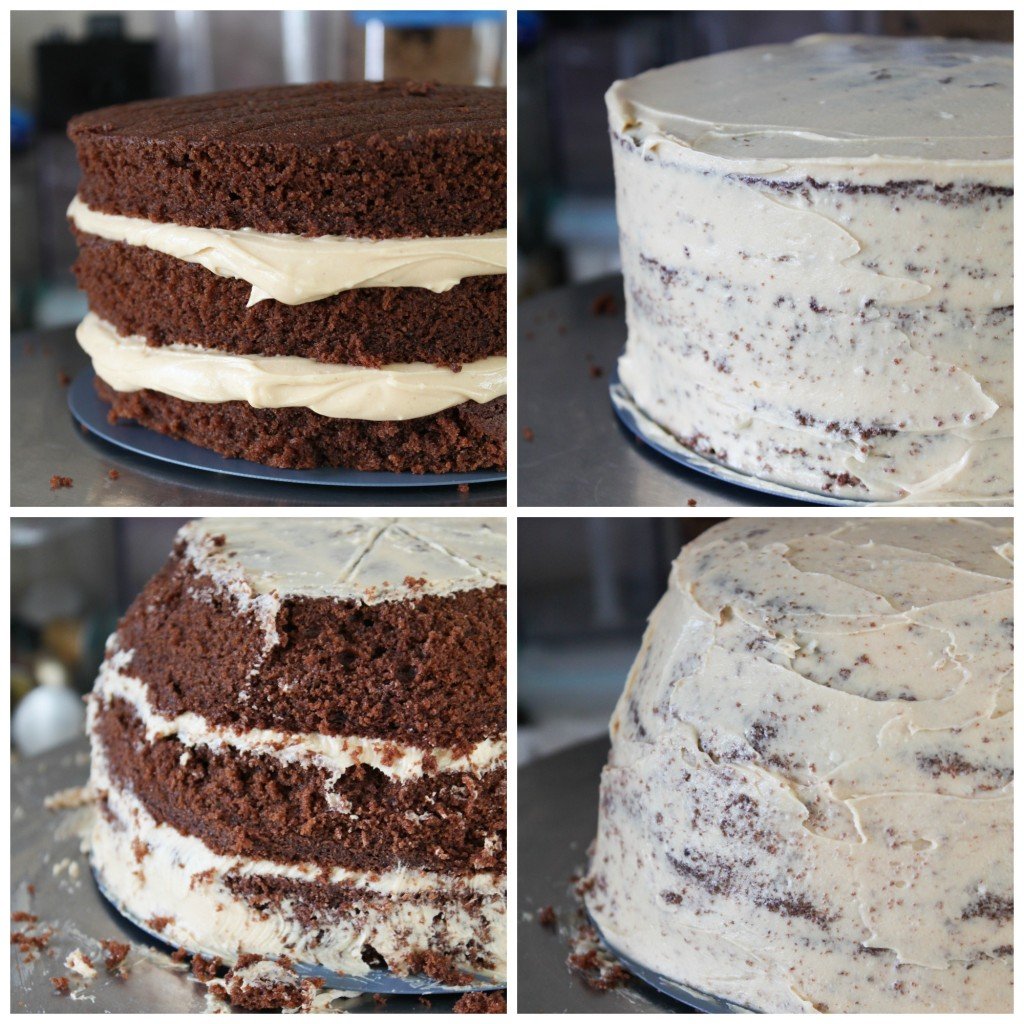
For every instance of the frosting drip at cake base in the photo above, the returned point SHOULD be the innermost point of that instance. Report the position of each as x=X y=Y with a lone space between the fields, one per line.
x=194 y=374
x=808 y=804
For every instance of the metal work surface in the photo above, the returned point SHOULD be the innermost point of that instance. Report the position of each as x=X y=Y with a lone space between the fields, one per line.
x=557 y=823
x=46 y=442
x=579 y=454
x=46 y=855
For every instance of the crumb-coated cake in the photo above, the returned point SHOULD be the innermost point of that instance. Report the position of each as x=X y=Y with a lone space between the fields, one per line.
x=301 y=276
x=808 y=803
x=817 y=245
x=298 y=746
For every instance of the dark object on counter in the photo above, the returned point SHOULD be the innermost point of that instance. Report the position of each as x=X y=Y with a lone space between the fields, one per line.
x=77 y=75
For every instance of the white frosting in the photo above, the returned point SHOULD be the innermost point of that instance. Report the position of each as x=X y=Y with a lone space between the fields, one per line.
x=366 y=560
x=179 y=878
x=333 y=754
x=812 y=760
x=77 y=962
x=832 y=98
x=399 y=391
x=293 y=269
x=789 y=317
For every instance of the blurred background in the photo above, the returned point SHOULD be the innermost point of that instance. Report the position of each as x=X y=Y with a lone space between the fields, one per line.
x=70 y=581
x=67 y=62
x=567 y=61
x=586 y=587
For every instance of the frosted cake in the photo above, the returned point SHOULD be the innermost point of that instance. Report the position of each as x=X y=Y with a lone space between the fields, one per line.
x=808 y=803
x=817 y=244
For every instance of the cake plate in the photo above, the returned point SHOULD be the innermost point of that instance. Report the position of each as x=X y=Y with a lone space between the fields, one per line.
x=91 y=413
x=572 y=448
x=51 y=879
x=655 y=436
x=558 y=799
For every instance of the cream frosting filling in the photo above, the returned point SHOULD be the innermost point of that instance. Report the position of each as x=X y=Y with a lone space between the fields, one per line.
x=399 y=391
x=293 y=269
x=891 y=104
x=179 y=878
x=813 y=757
x=824 y=331
x=333 y=754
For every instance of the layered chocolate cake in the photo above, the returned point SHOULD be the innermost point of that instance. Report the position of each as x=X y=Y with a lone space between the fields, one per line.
x=298 y=746
x=808 y=803
x=817 y=245
x=301 y=276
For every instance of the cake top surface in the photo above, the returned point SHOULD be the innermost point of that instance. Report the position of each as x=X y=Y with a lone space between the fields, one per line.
x=816 y=570
x=844 y=97
x=366 y=560
x=885 y=611
x=316 y=115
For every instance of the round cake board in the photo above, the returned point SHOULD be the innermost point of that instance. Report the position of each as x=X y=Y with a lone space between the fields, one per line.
x=651 y=434
x=558 y=804
x=382 y=982
x=91 y=413
x=674 y=989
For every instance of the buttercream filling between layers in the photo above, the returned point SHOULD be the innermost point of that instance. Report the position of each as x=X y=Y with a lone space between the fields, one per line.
x=334 y=754
x=293 y=269
x=400 y=391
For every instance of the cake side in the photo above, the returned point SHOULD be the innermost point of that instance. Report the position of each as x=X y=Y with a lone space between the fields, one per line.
x=808 y=804
x=793 y=336
x=407 y=919
x=368 y=160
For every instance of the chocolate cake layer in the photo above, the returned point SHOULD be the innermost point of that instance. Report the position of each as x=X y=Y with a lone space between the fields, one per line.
x=265 y=809
x=167 y=300
x=428 y=672
x=458 y=440
x=366 y=159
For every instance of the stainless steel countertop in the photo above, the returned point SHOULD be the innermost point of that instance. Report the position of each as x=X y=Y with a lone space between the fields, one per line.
x=45 y=441
x=50 y=878
x=579 y=454
x=557 y=822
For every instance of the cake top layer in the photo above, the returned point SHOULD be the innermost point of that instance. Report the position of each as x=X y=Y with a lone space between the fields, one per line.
x=831 y=97
x=356 y=159
x=365 y=560
x=323 y=114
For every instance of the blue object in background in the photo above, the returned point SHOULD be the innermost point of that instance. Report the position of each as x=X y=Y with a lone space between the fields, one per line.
x=528 y=28
x=23 y=127
x=425 y=19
